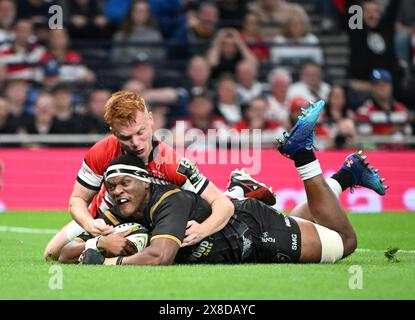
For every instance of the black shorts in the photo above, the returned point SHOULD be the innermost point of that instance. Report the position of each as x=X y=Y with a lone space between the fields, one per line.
x=277 y=236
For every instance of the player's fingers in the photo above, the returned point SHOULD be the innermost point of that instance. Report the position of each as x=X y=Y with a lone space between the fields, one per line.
x=131 y=248
x=190 y=223
x=126 y=232
x=189 y=231
x=106 y=232
x=187 y=240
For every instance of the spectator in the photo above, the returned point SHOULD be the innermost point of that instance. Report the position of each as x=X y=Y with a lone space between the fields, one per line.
x=142 y=34
x=43 y=120
x=51 y=76
x=338 y=119
x=372 y=46
x=16 y=93
x=201 y=117
x=278 y=102
x=296 y=45
x=226 y=51
x=196 y=36
x=198 y=73
x=198 y=76
x=66 y=119
x=3 y=76
x=93 y=121
x=153 y=88
x=85 y=19
x=405 y=28
x=37 y=11
x=311 y=85
x=23 y=55
x=67 y=62
x=7 y=19
x=381 y=114
x=273 y=14
x=7 y=123
x=228 y=106
x=251 y=34
x=256 y=118
x=248 y=86
x=337 y=107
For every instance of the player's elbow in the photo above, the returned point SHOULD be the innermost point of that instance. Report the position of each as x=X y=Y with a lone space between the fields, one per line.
x=349 y=243
x=66 y=257
x=225 y=204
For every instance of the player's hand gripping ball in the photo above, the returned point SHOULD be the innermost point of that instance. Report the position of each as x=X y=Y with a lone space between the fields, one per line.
x=138 y=236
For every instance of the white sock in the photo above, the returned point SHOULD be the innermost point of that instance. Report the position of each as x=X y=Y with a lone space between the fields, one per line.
x=309 y=170
x=235 y=193
x=334 y=186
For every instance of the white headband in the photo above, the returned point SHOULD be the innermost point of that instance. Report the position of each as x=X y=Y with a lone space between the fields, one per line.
x=126 y=170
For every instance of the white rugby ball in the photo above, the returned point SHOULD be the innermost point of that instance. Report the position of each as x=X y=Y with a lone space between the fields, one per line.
x=138 y=235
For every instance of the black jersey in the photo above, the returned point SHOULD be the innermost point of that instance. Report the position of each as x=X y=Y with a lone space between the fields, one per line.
x=255 y=232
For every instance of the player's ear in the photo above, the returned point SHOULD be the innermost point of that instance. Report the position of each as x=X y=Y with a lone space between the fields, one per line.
x=150 y=118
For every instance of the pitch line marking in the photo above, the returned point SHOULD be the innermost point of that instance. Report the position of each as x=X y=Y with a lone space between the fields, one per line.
x=53 y=231
x=382 y=251
x=27 y=230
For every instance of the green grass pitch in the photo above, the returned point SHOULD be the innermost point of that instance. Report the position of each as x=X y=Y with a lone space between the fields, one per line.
x=24 y=275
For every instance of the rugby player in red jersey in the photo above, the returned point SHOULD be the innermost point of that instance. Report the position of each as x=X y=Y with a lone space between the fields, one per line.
x=131 y=127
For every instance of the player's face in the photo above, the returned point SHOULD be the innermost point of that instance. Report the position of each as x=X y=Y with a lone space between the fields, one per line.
x=136 y=138
x=128 y=193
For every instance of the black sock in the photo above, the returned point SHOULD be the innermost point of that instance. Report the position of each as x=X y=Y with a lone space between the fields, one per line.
x=303 y=157
x=344 y=178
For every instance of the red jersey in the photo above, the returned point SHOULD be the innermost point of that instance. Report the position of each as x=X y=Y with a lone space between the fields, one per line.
x=165 y=166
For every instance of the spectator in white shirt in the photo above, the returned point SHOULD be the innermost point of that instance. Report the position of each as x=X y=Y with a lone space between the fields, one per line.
x=278 y=102
x=227 y=101
x=296 y=45
x=311 y=85
x=248 y=86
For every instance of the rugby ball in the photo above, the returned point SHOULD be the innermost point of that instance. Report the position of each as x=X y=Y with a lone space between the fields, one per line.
x=138 y=235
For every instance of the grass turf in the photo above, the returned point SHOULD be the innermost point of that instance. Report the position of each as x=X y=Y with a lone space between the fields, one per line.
x=24 y=275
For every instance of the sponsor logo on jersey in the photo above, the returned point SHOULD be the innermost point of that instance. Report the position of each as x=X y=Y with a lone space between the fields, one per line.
x=266 y=238
x=294 y=242
x=287 y=221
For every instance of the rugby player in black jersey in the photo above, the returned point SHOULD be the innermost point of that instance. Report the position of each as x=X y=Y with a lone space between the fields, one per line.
x=255 y=233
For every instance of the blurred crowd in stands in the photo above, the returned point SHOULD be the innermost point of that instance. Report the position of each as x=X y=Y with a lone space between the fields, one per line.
x=221 y=64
